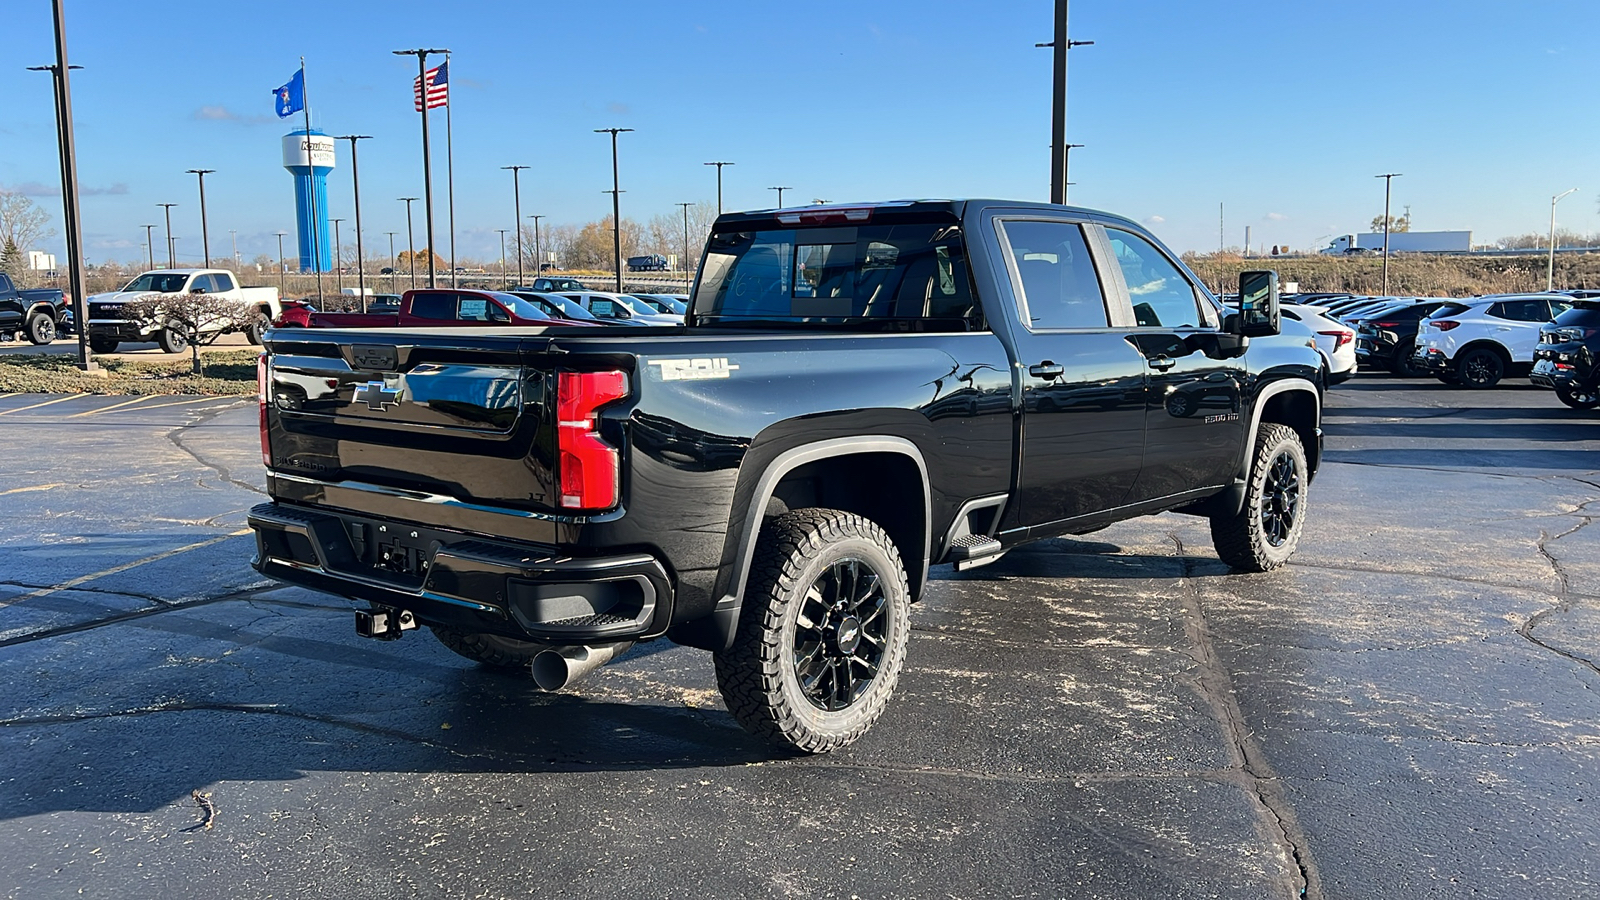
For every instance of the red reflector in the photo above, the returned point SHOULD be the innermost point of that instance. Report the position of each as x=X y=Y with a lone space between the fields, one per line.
x=590 y=468
x=263 y=394
x=826 y=214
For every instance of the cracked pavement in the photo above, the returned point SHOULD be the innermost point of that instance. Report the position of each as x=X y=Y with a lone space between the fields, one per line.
x=1411 y=708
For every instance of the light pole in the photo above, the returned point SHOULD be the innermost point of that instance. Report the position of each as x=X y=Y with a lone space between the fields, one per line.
x=171 y=263
x=1550 y=267
x=538 y=249
x=394 y=263
x=1066 y=165
x=172 y=245
x=1388 y=180
x=150 y=242
x=516 y=192
x=685 y=208
x=62 y=73
x=503 y=255
x=616 y=201
x=281 y=288
x=235 y=236
x=205 y=239
x=338 y=258
x=719 y=166
x=355 y=180
x=411 y=245
x=1058 y=119
x=427 y=177
x=780 y=191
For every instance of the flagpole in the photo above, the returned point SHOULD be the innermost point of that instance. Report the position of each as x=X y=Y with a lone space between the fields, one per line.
x=450 y=166
x=316 y=233
x=427 y=176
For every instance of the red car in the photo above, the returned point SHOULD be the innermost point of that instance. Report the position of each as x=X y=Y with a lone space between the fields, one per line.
x=430 y=307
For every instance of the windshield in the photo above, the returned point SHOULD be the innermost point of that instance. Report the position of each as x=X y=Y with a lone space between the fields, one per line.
x=654 y=303
x=639 y=307
x=831 y=274
x=519 y=306
x=160 y=282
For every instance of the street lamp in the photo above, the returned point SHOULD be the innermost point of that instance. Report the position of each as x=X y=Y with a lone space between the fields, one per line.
x=516 y=191
x=171 y=263
x=355 y=180
x=616 y=201
x=281 y=266
x=1550 y=267
x=780 y=191
x=394 y=263
x=338 y=258
x=205 y=239
x=719 y=166
x=1388 y=180
x=1058 y=119
x=685 y=207
x=411 y=244
x=503 y=256
x=150 y=242
x=422 y=55
x=538 y=249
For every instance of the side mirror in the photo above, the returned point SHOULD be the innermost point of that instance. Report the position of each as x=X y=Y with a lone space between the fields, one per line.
x=1258 y=304
x=197 y=290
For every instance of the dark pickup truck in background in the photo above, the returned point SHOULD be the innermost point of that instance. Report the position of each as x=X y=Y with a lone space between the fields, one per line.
x=859 y=393
x=37 y=315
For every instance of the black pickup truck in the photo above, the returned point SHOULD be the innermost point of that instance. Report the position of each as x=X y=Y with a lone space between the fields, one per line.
x=35 y=314
x=859 y=393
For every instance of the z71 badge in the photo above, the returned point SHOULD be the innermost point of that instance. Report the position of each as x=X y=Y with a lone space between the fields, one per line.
x=694 y=369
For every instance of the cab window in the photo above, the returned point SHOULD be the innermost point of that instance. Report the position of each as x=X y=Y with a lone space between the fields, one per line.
x=1060 y=288
x=1162 y=297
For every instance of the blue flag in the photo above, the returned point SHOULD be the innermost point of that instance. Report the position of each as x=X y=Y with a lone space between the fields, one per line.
x=291 y=98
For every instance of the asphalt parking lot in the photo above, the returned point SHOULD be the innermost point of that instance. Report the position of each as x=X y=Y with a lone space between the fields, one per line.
x=1412 y=708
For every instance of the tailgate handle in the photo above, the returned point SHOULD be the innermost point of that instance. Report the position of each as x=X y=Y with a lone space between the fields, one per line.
x=375 y=356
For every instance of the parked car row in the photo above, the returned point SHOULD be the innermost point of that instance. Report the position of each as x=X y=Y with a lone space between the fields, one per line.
x=434 y=307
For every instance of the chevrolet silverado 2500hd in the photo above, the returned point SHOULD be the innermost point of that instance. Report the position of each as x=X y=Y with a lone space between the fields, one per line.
x=859 y=393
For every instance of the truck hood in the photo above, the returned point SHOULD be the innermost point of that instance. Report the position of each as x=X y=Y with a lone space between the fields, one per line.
x=118 y=296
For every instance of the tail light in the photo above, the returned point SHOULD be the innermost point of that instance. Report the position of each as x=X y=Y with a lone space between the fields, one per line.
x=590 y=468
x=1444 y=324
x=1340 y=338
x=1387 y=324
x=263 y=394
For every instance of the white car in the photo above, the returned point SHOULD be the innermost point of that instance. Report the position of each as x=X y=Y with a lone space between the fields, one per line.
x=606 y=305
x=1335 y=341
x=108 y=328
x=1475 y=343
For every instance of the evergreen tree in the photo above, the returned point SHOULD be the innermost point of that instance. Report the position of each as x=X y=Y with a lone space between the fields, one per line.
x=12 y=262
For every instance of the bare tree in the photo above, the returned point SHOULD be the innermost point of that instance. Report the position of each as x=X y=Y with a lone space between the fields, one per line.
x=22 y=225
x=200 y=318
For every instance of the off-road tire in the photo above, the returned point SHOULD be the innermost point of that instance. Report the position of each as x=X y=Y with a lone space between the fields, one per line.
x=41 y=328
x=1577 y=397
x=172 y=341
x=104 y=345
x=1480 y=368
x=491 y=650
x=257 y=328
x=1244 y=540
x=758 y=674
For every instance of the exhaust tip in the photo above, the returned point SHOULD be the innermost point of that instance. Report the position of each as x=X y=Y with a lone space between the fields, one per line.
x=562 y=667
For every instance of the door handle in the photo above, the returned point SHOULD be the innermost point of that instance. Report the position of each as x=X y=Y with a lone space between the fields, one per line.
x=1162 y=363
x=1047 y=369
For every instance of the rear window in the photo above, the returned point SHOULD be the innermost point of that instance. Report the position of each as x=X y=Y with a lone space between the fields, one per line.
x=1450 y=309
x=1583 y=312
x=905 y=273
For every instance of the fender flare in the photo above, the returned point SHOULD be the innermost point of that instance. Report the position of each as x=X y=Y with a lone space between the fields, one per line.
x=1231 y=500
x=724 y=618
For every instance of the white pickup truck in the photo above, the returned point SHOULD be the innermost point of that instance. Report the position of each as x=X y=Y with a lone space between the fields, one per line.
x=108 y=327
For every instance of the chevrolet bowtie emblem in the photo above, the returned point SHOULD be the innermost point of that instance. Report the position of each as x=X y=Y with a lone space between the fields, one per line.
x=379 y=395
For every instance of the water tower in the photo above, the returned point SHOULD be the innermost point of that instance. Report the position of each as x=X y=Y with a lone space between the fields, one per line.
x=308 y=155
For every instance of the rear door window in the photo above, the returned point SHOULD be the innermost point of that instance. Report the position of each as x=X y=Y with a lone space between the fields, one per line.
x=434 y=306
x=1522 y=310
x=1161 y=295
x=1059 y=285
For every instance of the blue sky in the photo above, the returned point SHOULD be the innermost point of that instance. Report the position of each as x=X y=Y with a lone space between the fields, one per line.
x=1281 y=111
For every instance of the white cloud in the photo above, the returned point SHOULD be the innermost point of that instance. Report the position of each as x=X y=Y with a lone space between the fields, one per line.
x=1155 y=220
x=1277 y=217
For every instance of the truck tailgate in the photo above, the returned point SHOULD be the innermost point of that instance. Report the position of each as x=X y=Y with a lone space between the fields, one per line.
x=439 y=417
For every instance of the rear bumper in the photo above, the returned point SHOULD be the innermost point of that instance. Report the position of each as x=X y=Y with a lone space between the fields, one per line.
x=1432 y=361
x=524 y=591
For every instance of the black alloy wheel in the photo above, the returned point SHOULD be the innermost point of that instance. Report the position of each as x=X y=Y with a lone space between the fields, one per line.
x=41 y=328
x=1280 y=499
x=1403 y=366
x=1579 y=397
x=841 y=634
x=1480 y=368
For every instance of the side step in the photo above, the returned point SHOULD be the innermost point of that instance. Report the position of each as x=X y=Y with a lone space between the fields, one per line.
x=973 y=550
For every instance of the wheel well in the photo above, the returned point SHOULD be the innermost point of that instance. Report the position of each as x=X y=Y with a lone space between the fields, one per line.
x=884 y=487
x=41 y=308
x=1503 y=353
x=1298 y=410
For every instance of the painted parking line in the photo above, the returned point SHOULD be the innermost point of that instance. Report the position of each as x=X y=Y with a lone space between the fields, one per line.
x=106 y=409
x=37 y=487
x=12 y=394
x=8 y=412
x=84 y=579
x=186 y=402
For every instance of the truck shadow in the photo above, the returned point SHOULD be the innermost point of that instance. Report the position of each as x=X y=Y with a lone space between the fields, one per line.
x=1083 y=558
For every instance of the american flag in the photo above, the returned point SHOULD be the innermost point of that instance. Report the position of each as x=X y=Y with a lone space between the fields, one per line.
x=438 y=88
